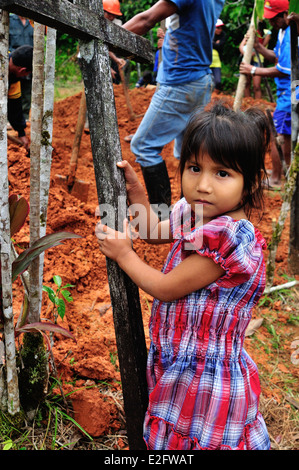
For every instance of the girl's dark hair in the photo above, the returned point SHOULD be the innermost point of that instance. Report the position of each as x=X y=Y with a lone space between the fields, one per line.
x=235 y=139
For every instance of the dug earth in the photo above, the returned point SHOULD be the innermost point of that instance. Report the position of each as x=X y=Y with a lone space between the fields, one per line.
x=88 y=367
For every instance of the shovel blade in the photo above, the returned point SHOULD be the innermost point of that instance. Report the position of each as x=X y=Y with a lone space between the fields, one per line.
x=79 y=189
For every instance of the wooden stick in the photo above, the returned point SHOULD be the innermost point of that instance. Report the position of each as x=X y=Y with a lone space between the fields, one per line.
x=246 y=60
x=132 y=115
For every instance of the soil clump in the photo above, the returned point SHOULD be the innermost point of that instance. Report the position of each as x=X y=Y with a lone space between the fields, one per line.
x=89 y=367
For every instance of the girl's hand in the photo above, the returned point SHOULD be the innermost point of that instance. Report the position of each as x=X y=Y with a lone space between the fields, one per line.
x=113 y=244
x=134 y=187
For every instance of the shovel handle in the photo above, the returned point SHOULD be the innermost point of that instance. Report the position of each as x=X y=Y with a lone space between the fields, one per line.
x=132 y=115
x=77 y=140
x=15 y=139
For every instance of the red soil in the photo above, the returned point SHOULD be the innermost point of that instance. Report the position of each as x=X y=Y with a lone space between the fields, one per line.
x=90 y=359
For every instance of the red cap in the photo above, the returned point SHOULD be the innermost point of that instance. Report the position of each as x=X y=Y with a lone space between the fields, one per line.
x=273 y=7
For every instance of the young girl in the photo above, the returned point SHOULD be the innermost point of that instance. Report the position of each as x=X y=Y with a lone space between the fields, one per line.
x=203 y=387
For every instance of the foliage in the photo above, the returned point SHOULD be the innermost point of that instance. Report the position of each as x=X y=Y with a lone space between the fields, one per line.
x=18 y=210
x=236 y=17
x=66 y=62
x=294 y=6
x=56 y=299
x=130 y=8
x=32 y=360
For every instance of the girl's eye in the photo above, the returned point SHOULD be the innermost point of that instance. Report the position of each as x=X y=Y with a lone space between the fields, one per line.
x=194 y=169
x=222 y=173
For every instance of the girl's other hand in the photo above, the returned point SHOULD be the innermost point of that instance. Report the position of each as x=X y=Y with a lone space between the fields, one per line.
x=113 y=244
x=133 y=185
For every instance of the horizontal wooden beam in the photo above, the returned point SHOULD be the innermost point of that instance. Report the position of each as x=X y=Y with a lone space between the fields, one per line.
x=82 y=23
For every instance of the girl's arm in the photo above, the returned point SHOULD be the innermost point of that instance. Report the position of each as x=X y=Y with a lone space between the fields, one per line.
x=145 y=221
x=193 y=273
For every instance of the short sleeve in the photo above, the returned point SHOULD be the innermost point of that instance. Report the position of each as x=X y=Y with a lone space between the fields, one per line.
x=235 y=245
x=283 y=53
x=180 y=219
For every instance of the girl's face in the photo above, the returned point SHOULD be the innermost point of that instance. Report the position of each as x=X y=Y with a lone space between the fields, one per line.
x=218 y=189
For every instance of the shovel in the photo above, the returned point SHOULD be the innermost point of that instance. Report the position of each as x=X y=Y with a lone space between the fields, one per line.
x=76 y=187
x=17 y=141
x=132 y=115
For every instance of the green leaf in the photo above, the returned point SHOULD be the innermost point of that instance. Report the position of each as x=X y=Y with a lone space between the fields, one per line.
x=48 y=241
x=294 y=6
x=61 y=308
x=8 y=445
x=259 y=8
x=58 y=281
x=50 y=293
x=67 y=295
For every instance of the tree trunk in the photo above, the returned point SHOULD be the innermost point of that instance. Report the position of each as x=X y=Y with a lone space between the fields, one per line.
x=287 y=195
x=35 y=149
x=9 y=391
x=294 y=211
x=47 y=132
x=106 y=150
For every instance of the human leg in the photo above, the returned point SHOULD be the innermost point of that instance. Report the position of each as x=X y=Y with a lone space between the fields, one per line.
x=247 y=86
x=217 y=77
x=165 y=121
x=282 y=122
x=256 y=82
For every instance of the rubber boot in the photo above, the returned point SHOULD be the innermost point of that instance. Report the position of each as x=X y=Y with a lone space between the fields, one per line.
x=158 y=188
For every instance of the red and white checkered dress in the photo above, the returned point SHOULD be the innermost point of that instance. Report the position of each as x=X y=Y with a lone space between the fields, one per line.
x=204 y=388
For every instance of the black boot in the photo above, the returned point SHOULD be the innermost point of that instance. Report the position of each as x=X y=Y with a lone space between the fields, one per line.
x=157 y=184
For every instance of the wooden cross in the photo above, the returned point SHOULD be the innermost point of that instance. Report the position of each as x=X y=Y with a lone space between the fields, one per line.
x=85 y=20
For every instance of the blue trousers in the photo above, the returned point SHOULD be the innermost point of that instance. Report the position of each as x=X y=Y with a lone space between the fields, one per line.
x=167 y=117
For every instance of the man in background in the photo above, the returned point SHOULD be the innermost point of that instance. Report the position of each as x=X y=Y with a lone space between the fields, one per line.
x=184 y=83
x=21 y=34
x=276 y=11
x=20 y=65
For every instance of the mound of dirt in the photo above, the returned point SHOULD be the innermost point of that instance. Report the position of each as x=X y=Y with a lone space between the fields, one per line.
x=92 y=358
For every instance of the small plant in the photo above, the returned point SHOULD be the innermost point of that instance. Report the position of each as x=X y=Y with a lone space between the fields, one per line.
x=58 y=298
x=276 y=336
x=32 y=354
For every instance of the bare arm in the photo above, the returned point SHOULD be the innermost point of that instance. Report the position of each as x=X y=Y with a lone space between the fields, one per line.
x=267 y=53
x=145 y=221
x=144 y=21
x=261 y=71
x=193 y=273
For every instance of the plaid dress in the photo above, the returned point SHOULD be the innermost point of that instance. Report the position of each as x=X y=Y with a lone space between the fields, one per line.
x=203 y=387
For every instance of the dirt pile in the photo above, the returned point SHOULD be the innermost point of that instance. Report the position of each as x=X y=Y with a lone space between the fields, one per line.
x=92 y=359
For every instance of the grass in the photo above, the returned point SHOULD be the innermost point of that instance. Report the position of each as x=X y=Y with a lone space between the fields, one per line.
x=54 y=428
x=275 y=349
x=278 y=361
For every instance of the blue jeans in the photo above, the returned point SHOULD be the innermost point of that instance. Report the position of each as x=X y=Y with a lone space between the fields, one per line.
x=166 y=119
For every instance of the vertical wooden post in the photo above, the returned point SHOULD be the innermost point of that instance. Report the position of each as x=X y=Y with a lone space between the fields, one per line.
x=106 y=150
x=9 y=391
x=294 y=215
x=35 y=288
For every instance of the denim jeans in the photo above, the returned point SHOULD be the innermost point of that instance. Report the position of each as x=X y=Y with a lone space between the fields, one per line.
x=166 y=118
